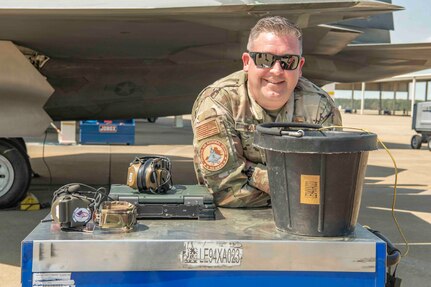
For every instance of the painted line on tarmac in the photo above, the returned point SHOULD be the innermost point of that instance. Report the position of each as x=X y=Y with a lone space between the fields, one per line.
x=425 y=216
x=414 y=244
x=425 y=192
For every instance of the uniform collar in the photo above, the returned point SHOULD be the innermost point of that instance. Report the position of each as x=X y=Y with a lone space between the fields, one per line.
x=258 y=112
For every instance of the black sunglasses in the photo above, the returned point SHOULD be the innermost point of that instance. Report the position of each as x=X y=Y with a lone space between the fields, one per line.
x=267 y=60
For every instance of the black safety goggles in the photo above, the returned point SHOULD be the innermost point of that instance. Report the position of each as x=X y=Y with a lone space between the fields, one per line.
x=267 y=60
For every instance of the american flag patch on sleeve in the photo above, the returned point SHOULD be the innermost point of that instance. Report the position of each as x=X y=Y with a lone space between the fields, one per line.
x=207 y=129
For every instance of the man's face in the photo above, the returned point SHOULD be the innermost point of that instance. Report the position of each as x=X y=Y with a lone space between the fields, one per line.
x=272 y=87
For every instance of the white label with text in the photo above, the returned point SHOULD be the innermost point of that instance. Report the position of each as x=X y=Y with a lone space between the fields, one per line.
x=211 y=254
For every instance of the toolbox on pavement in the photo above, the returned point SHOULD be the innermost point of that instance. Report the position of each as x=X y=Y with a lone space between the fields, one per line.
x=107 y=132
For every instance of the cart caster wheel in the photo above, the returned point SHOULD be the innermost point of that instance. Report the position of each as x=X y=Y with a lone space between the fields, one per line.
x=152 y=119
x=416 y=142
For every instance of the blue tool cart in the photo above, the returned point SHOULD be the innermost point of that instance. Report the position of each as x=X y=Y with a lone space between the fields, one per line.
x=241 y=248
x=107 y=132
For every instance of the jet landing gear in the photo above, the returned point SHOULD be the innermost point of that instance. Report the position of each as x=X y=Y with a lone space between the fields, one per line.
x=15 y=172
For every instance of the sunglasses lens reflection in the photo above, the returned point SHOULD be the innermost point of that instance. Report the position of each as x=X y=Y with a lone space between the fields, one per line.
x=289 y=63
x=264 y=60
x=267 y=60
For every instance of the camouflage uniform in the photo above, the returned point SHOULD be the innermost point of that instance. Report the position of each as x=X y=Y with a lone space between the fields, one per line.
x=224 y=118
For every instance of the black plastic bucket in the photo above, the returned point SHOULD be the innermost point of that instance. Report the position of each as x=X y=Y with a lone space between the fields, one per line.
x=315 y=177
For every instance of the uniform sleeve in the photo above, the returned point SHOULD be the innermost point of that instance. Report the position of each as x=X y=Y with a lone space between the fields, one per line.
x=218 y=155
x=317 y=108
x=335 y=119
x=314 y=105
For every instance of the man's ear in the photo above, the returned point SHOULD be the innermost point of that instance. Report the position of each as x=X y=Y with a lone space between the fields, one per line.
x=245 y=61
x=301 y=64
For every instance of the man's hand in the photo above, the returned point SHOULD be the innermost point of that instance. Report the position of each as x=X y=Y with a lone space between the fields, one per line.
x=259 y=177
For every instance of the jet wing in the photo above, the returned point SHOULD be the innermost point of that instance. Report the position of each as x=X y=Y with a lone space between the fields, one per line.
x=156 y=29
x=362 y=63
x=132 y=59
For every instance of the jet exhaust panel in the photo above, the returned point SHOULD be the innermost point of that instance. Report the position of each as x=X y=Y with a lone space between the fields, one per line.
x=23 y=92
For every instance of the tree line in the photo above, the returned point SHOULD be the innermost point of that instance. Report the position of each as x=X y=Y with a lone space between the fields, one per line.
x=373 y=104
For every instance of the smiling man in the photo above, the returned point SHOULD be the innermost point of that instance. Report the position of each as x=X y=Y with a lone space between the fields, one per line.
x=268 y=89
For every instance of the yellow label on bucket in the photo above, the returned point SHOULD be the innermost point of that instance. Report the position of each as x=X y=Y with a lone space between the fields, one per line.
x=310 y=189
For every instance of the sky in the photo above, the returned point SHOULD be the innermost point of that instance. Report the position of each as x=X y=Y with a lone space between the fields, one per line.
x=412 y=25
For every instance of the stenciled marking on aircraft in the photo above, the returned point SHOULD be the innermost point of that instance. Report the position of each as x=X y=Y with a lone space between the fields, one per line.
x=125 y=89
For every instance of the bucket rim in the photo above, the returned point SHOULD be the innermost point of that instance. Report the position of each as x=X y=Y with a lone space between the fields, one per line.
x=312 y=140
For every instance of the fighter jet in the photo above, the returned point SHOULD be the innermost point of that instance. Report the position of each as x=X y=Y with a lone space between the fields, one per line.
x=73 y=60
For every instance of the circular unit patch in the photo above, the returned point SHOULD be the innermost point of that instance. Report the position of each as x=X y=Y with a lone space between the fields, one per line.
x=81 y=214
x=213 y=155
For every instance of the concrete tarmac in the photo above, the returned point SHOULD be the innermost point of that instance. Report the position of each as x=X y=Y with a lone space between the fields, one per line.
x=100 y=165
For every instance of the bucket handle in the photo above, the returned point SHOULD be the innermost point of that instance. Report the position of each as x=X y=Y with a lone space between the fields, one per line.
x=278 y=129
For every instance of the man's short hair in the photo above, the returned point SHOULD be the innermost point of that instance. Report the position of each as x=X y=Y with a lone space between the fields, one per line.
x=277 y=25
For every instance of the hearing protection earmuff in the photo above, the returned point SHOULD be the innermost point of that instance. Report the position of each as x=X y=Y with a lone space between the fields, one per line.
x=150 y=174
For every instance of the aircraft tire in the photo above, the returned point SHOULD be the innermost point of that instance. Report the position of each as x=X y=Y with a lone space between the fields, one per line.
x=20 y=142
x=429 y=143
x=416 y=142
x=15 y=173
